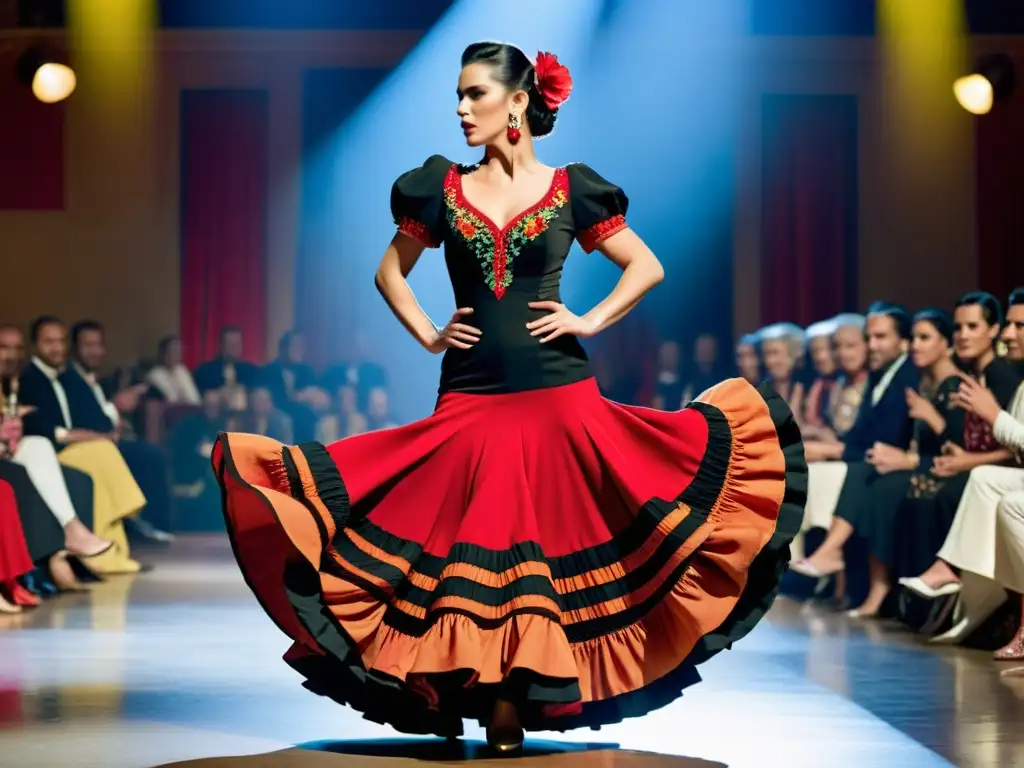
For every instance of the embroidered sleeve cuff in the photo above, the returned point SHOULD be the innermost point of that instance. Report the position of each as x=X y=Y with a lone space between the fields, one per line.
x=417 y=232
x=595 y=235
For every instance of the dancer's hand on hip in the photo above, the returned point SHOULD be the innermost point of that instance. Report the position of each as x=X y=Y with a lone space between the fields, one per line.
x=559 y=323
x=456 y=333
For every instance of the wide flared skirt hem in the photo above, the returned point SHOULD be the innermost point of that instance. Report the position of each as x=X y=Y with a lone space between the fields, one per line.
x=576 y=556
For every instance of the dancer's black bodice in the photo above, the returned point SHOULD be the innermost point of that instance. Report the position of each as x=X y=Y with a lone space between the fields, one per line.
x=498 y=272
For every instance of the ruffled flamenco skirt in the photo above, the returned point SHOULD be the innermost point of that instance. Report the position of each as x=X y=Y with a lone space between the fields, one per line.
x=552 y=548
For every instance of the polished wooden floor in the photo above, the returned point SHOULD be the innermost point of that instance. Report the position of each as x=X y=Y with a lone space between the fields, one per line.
x=180 y=664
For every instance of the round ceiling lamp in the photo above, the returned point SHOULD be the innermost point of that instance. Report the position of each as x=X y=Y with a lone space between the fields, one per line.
x=47 y=74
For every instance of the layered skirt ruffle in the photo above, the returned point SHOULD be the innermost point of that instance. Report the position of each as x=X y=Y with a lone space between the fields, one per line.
x=576 y=556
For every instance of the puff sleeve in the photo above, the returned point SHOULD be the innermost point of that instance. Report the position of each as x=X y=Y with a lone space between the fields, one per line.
x=598 y=206
x=417 y=201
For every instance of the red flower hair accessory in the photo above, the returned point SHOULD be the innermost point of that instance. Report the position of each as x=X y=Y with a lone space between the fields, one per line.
x=553 y=80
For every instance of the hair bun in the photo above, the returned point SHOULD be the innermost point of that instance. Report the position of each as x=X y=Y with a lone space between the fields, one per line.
x=553 y=80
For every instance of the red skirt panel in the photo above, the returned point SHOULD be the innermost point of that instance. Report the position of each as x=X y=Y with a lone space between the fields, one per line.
x=14 y=557
x=575 y=555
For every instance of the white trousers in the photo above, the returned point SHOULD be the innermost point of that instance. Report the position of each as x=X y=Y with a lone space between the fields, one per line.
x=38 y=457
x=971 y=542
x=824 y=484
x=1010 y=541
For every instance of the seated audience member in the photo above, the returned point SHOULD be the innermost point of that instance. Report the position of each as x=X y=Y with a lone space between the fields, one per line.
x=127 y=390
x=170 y=377
x=851 y=350
x=926 y=516
x=782 y=349
x=706 y=370
x=116 y=495
x=43 y=534
x=14 y=557
x=378 y=412
x=192 y=444
x=1013 y=331
x=819 y=395
x=875 y=489
x=348 y=420
x=67 y=493
x=967 y=563
x=293 y=385
x=193 y=440
x=748 y=364
x=228 y=372
x=263 y=418
x=668 y=384
x=364 y=375
x=883 y=419
x=90 y=409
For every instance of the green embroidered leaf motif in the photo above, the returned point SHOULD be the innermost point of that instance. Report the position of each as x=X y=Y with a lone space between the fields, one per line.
x=497 y=257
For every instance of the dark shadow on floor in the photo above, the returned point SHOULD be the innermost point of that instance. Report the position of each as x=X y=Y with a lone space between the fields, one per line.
x=447 y=750
x=379 y=753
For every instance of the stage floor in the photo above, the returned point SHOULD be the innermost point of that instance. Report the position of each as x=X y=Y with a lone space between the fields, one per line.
x=181 y=663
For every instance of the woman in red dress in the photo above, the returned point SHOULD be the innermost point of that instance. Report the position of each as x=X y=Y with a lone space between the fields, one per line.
x=531 y=555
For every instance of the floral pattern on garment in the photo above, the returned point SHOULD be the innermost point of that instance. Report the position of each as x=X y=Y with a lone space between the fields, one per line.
x=496 y=248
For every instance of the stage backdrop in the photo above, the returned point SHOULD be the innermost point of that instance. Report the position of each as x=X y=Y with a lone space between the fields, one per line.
x=330 y=281
x=31 y=145
x=999 y=147
x=224 y=201
x=809 y=207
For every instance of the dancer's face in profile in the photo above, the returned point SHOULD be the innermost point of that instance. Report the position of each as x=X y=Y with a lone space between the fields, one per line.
x=485 y=105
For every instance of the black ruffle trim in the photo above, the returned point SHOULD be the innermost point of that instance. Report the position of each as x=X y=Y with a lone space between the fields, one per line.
x=340 y=674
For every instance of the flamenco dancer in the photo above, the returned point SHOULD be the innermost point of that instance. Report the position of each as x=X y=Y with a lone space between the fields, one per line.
x=531 y=555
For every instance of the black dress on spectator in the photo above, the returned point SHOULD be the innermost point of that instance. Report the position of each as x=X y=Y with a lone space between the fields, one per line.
x=869 y=501
x=147 y=462
x=926 y=513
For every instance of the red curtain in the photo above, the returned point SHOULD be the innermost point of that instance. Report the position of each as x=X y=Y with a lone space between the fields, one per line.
x=224 y=201
x=31 y=144
x=999 y=174
x=809 y=207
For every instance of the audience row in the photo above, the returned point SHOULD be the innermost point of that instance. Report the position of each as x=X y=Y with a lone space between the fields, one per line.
x=914 y=430
x=76 y=467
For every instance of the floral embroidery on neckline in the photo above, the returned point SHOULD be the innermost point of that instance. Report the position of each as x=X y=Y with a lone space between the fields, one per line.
x=497 y=248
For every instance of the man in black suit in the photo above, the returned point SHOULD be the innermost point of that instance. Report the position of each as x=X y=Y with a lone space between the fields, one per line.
x=228 y=369
x=883 y=421
x=91 y=409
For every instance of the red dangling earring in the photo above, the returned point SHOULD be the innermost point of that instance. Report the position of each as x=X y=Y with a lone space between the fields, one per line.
x=514 y=124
